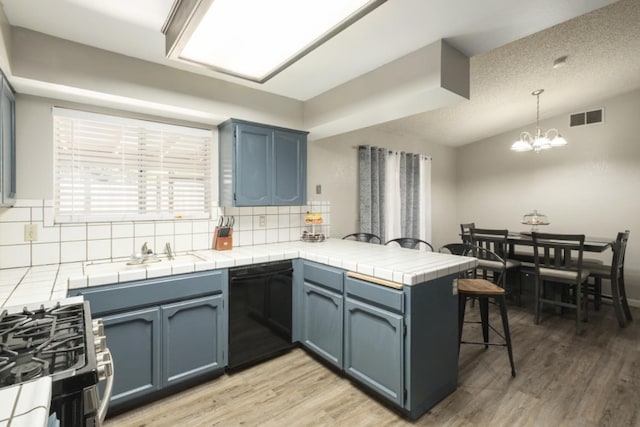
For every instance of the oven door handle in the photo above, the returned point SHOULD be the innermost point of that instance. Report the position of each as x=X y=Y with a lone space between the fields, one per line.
x=106 y=397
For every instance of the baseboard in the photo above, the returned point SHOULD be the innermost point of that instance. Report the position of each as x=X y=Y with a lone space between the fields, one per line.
x=633 y=302
x=630 y=301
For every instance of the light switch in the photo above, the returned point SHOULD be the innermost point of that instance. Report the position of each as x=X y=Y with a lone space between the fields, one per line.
x=318 y=189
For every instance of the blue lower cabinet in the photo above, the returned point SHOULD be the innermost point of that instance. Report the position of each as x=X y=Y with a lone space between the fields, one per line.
x=133 y=339
x=192 y=338
x=373 y=348
x=162 y=331
x=322 y=323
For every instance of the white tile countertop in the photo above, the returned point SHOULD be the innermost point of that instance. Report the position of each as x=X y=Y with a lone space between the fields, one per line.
x=26 y=404
x=30 y=286
x=405 y=266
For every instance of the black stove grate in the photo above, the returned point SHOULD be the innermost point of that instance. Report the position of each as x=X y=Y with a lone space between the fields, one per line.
x=47 y=341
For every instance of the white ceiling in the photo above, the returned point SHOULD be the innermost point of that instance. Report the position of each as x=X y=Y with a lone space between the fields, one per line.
x=510 y=57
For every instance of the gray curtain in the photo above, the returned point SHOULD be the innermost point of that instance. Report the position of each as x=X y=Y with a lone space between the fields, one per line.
x=371 y=162
x=389 y=216
x=409 y=194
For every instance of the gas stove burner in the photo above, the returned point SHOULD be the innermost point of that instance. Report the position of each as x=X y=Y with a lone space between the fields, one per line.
x=36 y=332
x=29 y=370
x=57 y=341
x=53 y=339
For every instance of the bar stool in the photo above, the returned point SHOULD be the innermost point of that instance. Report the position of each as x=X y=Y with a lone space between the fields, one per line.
x=363 y=237
x=411 y=243
x=483 y=290
x=454 y=248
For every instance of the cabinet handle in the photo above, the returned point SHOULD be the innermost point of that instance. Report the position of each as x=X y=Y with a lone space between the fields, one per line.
x=374 y=280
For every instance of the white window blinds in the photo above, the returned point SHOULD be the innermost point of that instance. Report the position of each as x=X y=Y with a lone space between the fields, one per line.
x=109 y=168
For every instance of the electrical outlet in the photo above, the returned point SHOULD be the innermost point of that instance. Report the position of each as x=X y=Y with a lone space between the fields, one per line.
x=30 y=232
x=262 y=221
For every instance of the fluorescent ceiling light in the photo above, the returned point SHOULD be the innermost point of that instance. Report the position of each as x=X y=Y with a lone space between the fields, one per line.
x=256 y=39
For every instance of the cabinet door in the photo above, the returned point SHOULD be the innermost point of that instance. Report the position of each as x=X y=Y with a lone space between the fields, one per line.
x=7 y=147
x=373 y=348
x=289 y=168
x=253 y=165
x=134 y=341
x=194 y=338
x=322 y=316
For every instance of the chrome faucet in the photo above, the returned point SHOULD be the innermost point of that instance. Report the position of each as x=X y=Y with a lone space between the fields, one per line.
x=168 y=250
x=146 y=255
x=145 y=250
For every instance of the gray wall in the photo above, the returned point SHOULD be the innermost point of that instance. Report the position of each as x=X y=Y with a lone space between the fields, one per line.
x=590 y=186
x=333 y=163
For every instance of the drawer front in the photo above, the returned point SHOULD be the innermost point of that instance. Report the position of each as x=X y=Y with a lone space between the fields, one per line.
x=132 y=295
x=376 y=294
x=323 y=275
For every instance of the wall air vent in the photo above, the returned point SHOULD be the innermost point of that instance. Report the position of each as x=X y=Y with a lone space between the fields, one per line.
x=587 y=118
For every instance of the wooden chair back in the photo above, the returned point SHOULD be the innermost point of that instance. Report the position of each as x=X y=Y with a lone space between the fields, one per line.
x=465 y=231
x=553 y=251
x=495 y=240
x=619 y=251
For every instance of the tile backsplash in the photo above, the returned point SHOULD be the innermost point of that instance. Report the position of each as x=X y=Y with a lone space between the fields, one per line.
x=61 y=243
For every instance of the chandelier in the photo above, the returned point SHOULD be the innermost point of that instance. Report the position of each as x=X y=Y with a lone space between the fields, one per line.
x=540 y=140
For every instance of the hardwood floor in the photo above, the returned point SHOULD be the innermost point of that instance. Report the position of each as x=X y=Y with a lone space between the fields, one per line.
x=562 y=380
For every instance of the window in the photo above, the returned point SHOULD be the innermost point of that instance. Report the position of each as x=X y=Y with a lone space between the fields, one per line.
x=109 y=168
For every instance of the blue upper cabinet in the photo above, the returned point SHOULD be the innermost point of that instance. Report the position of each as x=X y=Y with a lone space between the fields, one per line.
x=289 y=168
x=261 y=165
x=253 y=165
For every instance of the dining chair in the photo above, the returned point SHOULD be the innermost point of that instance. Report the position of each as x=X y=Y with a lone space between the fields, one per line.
x=483 y=290
x=411 y=243
x=615 y=274
x=495 y=240
x=464 y=231
x=552 y=256
x=363 y=237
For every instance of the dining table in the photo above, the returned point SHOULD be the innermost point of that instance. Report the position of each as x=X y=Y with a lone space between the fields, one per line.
x=523 y=238
x=591 y=244
x=523 y=241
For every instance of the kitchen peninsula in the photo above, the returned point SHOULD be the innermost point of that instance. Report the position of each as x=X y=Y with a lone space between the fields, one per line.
x=399 y=342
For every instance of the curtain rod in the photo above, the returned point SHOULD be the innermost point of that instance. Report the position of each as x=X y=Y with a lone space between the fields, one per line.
x=358 y=147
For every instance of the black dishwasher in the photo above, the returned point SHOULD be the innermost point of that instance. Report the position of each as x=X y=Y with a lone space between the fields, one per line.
x=259 y=312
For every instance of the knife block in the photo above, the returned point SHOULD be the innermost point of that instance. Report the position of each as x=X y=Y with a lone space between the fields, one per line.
x=222 y=243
